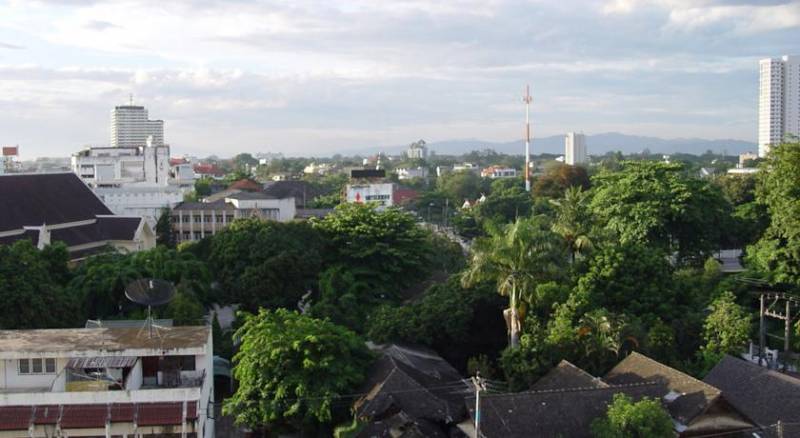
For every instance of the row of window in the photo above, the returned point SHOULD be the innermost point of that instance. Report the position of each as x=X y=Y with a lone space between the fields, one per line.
x=207 y=219
x=37 y=366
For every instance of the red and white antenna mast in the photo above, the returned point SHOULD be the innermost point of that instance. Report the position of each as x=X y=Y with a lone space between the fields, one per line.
x=527 y=99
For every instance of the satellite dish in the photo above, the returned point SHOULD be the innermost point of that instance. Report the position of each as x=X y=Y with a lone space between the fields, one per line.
x=150 y=292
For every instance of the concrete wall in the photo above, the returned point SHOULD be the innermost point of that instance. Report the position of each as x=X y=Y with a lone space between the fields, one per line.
x=11 y=379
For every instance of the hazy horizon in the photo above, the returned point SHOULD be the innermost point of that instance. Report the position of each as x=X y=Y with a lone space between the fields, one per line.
x=312 y=78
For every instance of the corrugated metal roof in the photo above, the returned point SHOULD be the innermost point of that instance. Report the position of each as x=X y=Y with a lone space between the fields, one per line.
x=96 y=415
x=80 y=363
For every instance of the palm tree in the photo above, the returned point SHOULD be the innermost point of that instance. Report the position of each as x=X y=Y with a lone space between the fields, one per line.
x=516 y=257
x=573 y=221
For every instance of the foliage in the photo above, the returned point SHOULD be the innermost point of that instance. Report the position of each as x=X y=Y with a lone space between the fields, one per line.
x=516 y=258
x=291 y=367
x=480 y=364
x=185 y=308
x=625 y=418
x=507 y=201
x=573 y=221
x=32 y=288
x=100 y=280
x=164 y=234
x=266 y=263
x=558 y=178
x=654 y=203
x=344 y=297
x=727 y=327
x=223 y=342
x=630 y=278
x=777 y=254
x=202 y=187
x=462 y=185
x=387 y=246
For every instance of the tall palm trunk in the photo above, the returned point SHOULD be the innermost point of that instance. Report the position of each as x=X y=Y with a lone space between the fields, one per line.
x=514 y=323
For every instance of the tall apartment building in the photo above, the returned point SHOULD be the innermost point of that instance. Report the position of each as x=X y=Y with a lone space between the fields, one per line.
x=574 y=149
x=779 y=101
x=131 y=127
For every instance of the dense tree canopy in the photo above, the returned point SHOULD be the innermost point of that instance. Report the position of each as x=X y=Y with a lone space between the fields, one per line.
x=654 y=203
x=32 y=288
x=290 y=369
x=386 y=247
x=777 y=254
x=265 y=263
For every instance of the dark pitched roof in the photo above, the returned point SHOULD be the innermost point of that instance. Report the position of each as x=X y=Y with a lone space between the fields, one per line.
x=552 y=413
x=246 y=185
x=415 y=381
x=567 y=376
x=105 y=228
x=216 y=205
x=51 y=198
x=402 y=425
x=764 y=395
x=692 y=396
x=300 y=190
x=251 y=195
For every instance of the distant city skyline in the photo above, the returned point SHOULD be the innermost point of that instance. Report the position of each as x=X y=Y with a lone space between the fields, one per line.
x=311 y=78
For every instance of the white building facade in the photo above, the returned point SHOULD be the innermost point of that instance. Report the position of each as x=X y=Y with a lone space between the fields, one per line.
x=779 y=101
x=575 y=149
x=131 y=127
x=380 y=194
x=107 y=382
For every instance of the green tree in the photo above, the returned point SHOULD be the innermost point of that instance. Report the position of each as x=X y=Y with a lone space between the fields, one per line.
x=557 y=178
x=516 y=257
x=630 y=278
x=387 y=246
x=726 y=329
x=185 y=308
x=202 y=187
x=32 y=288
x=777 y=253
x=573 y=220
x=164 y=234
x=625 y=418
x=266 y=263
x=654 y=203
x=462 y=185
x=291 y=368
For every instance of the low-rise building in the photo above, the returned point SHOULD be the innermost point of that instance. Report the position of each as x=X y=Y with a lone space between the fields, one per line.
x=51 y=207
x=495 y=172
x=94 y=382
x=411 y=172
x=196 y=220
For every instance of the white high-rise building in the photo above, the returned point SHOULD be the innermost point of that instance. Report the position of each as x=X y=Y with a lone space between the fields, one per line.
x=574 y=149
x=131 y=127
x=779 y=101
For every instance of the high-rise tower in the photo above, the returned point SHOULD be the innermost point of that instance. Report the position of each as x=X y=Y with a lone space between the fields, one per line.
x=779 y=101
x=131 y=127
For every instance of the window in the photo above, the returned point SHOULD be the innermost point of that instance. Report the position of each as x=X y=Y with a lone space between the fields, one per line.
x=37 y=366
x=187 y=363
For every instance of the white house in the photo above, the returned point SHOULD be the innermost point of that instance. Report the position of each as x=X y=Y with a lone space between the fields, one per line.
x=411 y=173
x=107 y=382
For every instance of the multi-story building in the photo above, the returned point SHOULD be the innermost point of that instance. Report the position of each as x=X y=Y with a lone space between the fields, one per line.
x=57 y=207
x=574 y=149
x=9 y=160
x=196 y=220
x=134 y=175
x=779 y=101
x=417 y=150
x=131 y=127
x=107 y=382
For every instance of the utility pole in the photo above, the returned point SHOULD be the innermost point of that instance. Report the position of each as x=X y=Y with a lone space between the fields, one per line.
x=527 y=99
x=480 y=385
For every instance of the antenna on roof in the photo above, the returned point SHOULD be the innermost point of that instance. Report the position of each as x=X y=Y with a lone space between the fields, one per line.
x=130 y=98
x=150 y=292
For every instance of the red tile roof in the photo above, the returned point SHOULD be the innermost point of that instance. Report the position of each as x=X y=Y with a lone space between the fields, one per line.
x=96 y=415
x=15 y=417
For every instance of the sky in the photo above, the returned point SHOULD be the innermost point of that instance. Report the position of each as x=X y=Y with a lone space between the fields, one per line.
x=309 y=78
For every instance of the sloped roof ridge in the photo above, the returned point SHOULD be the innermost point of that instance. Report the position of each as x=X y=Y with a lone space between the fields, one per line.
x=687 y=377
x=581 y=389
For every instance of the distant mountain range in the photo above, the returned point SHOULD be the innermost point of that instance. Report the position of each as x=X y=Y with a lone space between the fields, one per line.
x=597 y=144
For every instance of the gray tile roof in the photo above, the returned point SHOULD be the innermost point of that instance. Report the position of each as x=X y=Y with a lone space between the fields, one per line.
x=567 y=376
x=764 y=395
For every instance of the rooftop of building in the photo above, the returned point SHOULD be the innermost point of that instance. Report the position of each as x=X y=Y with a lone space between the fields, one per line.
x=76 y=342
x=766 y=396
x=46 y=198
